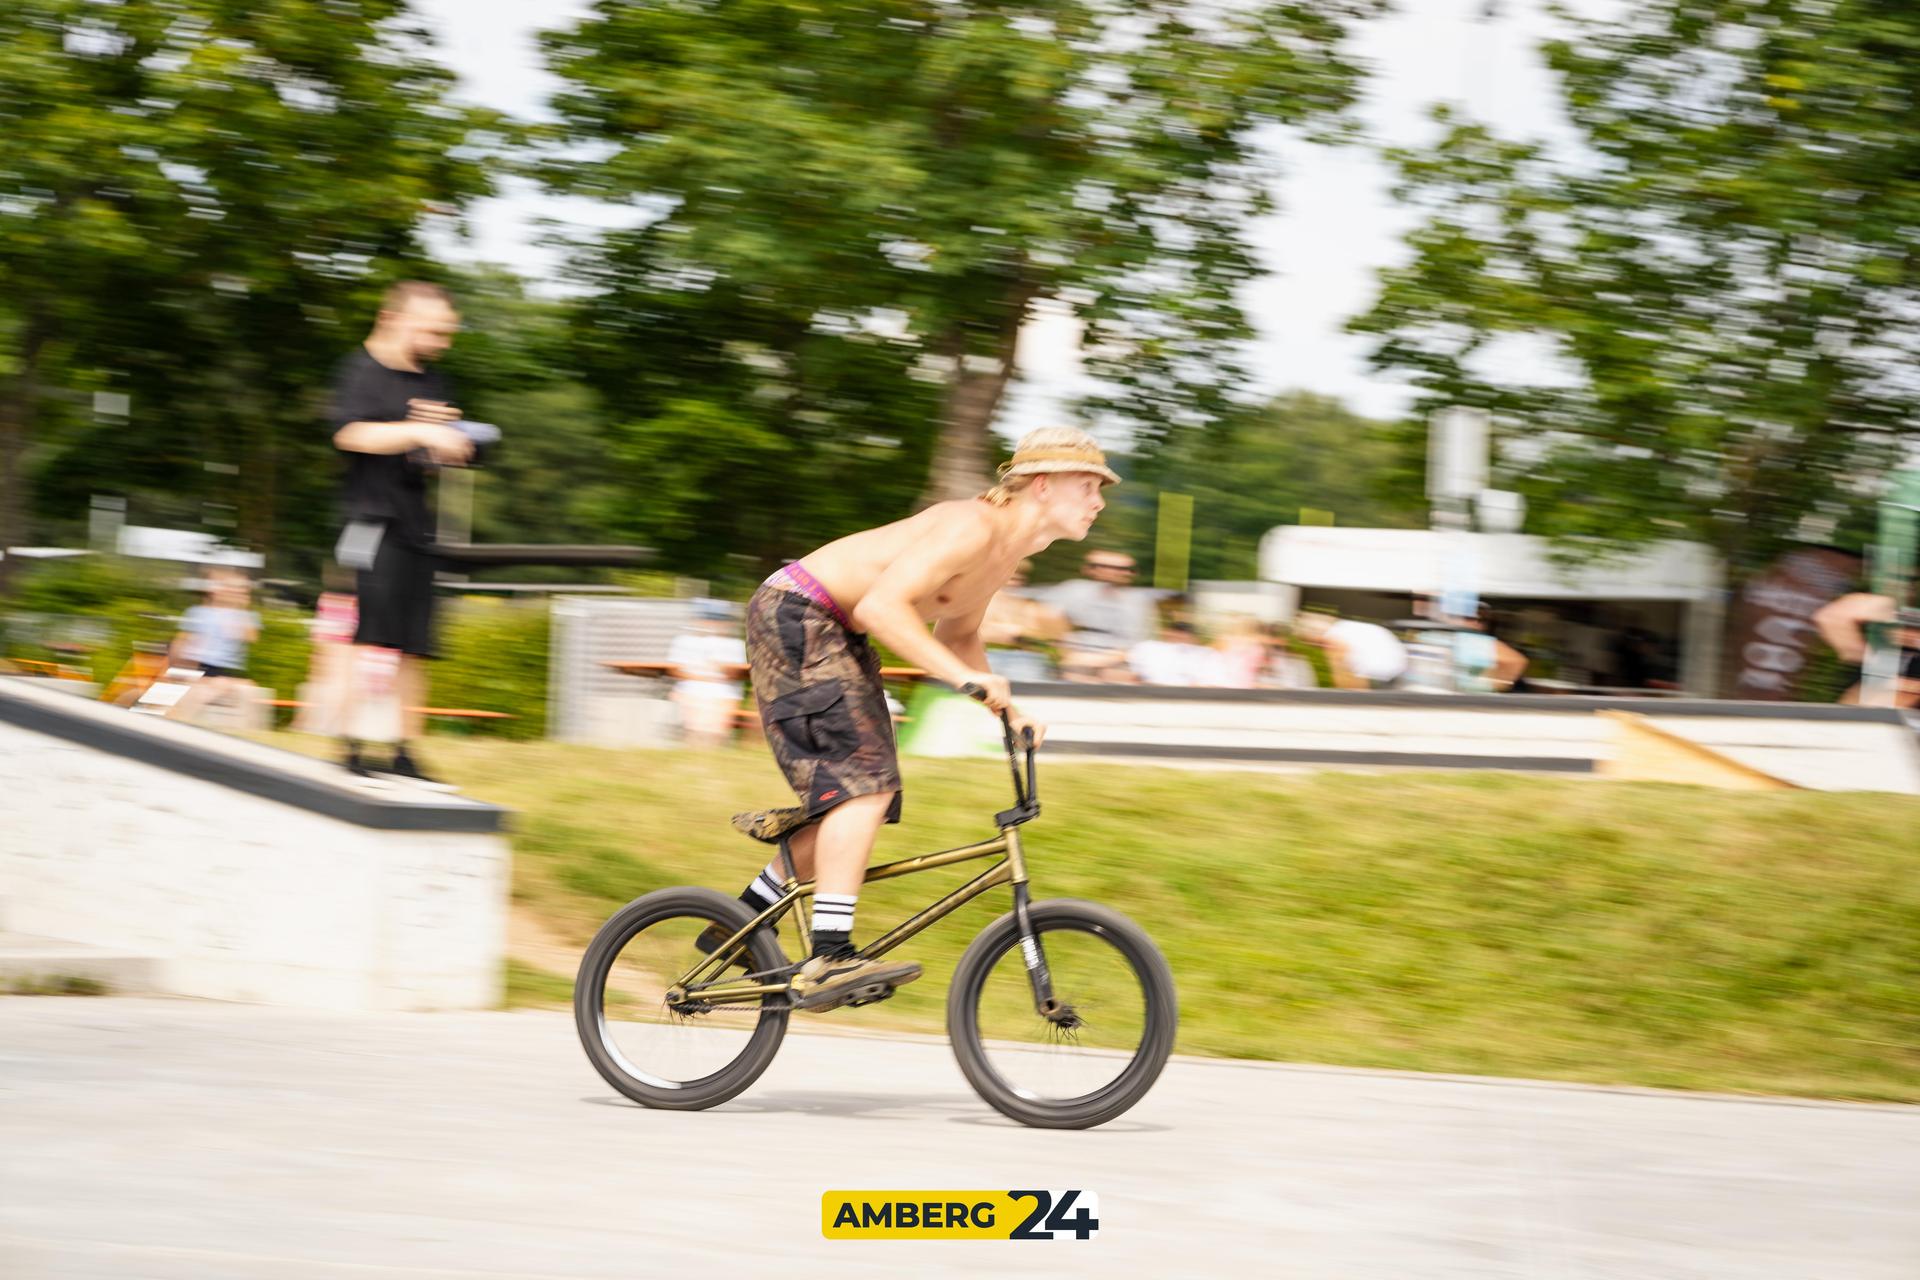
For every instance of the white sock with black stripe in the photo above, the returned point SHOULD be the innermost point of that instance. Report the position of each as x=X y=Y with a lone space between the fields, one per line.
x=765 y=889
x=833 y=922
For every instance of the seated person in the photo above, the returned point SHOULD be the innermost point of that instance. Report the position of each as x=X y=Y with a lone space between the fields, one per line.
x=1109 y=615
x=1240 y=654
x=1361 y=655
x=706 y=660
x=213 y=639
x=1177 y=658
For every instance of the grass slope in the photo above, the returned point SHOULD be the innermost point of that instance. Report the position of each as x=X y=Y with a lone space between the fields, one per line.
x=1578 y=930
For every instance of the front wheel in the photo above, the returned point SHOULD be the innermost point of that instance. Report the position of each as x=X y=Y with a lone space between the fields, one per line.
x=1094 y=1055
x=652 y=1039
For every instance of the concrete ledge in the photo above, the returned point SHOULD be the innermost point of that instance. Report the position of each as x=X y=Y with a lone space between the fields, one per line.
x=1533 y=702
x=1817 y=746
x=240 y=872
x=267 y=772
x=28 y=960
x=1317 y=755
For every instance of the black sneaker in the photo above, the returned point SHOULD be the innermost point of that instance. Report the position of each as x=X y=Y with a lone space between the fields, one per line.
x=714 y=935
x=357 y=767
x=405 y=768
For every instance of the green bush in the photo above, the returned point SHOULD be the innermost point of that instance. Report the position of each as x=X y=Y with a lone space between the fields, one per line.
x=280 y=657
x=493 y=652
x=107 y=603
x=493 y=657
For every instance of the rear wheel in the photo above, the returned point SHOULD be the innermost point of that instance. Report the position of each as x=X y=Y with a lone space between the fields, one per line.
x=1099 y=1051
x=675 y=1052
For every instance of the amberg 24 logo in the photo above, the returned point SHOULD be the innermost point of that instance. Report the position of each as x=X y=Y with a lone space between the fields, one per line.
x=959 y=1215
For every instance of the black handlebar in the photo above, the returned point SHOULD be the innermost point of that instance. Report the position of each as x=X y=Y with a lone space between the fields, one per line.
x=1026 y=799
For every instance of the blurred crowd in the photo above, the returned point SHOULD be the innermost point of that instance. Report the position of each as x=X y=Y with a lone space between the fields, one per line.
x=1102 y=628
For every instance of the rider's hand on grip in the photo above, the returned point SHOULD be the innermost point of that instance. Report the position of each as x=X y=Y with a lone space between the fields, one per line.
x=1028 y=732
x=984 y=686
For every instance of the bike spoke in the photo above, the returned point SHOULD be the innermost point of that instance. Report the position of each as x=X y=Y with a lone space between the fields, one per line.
x=661 y=1042
x=1051 y=1060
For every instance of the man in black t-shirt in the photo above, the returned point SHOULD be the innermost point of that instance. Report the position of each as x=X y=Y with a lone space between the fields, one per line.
x=391 y=416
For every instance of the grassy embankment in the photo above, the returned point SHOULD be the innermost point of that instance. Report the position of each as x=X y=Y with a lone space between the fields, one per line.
x=1608 y=932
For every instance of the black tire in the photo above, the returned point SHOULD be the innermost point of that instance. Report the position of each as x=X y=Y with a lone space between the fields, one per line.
x=589 y=1002
x=1161 y=1015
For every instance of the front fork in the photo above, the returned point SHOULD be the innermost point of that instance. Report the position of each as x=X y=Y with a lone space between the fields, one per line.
x=1045 y=1003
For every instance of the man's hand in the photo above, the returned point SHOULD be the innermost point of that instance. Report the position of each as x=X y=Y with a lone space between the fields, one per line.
x=1023 y=724
x=450 y=448
x=998 y=690
x=434 y=411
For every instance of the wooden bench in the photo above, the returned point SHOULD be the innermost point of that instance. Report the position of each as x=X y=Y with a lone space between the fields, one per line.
x=448 y=713
x=49 y=670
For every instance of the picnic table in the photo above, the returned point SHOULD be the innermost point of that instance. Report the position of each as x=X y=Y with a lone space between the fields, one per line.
x=747 y=717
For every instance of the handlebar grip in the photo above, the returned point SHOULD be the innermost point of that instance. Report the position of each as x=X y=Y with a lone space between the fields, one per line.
x=974 y=691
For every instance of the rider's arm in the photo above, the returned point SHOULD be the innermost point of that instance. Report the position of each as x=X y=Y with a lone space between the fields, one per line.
x=889 y=611
x=962 y=635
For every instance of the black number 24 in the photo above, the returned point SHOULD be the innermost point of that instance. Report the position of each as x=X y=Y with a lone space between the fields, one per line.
x=1083 y=1224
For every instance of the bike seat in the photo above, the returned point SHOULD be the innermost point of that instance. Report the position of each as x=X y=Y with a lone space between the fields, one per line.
x=771 y=826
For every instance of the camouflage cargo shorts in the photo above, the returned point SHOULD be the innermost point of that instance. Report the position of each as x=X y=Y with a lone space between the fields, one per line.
x=825 y=711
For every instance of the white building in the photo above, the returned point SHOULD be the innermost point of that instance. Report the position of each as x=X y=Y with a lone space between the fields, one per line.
x=1671 y=590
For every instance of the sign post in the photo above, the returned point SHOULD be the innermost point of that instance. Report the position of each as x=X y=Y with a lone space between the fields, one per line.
x=1173 y=541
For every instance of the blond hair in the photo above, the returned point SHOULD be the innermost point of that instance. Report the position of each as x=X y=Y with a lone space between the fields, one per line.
x=1003 y=490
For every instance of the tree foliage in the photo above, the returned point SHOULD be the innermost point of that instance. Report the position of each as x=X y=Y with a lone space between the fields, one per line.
x=849 y=211
x=1728 y=270
x=198 y=202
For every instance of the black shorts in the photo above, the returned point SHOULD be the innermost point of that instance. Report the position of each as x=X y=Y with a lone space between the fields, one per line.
x=818 y=688
x=396 y=597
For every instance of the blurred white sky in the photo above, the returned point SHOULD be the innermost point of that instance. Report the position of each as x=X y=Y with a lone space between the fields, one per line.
x=1337 y=227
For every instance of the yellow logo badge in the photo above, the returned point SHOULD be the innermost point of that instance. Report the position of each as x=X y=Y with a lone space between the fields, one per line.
x=959 y=1215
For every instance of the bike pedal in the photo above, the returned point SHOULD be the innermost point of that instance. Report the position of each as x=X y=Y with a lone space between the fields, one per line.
x=871 y=994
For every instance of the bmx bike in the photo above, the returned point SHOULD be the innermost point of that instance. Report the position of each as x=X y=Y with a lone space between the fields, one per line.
x=1061 y=1012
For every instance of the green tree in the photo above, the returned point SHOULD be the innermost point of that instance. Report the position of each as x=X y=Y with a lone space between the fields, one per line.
x=198 y=202
x=552 y=479
x=1727 y=271
x=852 y=209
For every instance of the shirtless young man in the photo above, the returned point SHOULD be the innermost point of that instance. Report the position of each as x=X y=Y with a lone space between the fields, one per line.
x=817 y=679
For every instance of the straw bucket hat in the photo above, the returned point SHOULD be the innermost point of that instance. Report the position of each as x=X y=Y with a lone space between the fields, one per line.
x=1050 y=450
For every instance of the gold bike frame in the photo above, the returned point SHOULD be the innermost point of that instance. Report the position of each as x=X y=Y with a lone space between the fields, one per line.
x=1009 y=870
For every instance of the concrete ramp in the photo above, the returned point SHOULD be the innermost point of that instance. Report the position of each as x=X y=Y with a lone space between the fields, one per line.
x=1644 y=752
x=155 y=856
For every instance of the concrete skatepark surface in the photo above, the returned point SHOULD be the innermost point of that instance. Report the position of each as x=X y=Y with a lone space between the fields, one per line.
x=176 y=1138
